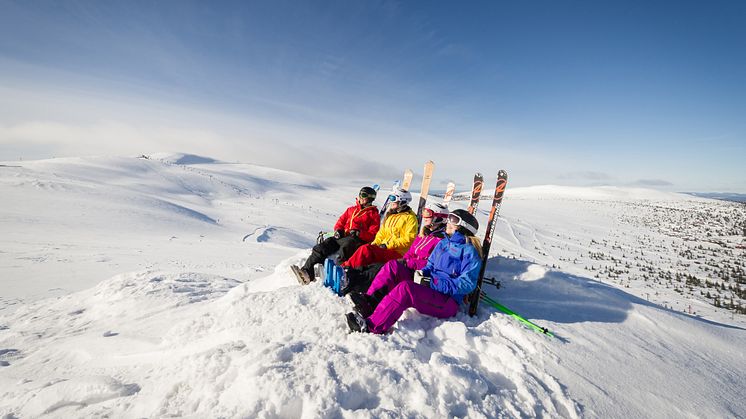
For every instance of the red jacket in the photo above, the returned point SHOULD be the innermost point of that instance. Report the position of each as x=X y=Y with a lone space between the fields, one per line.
x=365 y=220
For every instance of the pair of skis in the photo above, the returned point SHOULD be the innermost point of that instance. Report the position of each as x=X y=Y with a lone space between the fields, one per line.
x=477 y=295
x=427 y=176
x=502 y=182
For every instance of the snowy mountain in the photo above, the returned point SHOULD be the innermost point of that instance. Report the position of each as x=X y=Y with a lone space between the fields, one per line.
x=159 y=286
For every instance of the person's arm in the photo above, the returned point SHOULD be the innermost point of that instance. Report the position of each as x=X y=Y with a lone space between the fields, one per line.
x=341 y=223
x=466 y=282
x=428 y=269
x=410 y=256
x=381 y=237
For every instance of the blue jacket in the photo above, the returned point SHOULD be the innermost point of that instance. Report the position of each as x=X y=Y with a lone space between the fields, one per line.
x=454 y=267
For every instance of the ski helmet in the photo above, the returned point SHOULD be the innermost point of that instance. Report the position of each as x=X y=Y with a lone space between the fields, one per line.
x=367 y=193
x=466 y=222
x=402 y=196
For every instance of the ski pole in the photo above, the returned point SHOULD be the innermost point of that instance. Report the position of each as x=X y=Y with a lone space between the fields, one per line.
x=515 y=315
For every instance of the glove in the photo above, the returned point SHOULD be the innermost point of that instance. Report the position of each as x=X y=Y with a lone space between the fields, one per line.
x=420 y=278
x=339 y=234
x=355 y=233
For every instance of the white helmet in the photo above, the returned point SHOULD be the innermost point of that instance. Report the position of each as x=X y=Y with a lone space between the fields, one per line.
x=402 y=196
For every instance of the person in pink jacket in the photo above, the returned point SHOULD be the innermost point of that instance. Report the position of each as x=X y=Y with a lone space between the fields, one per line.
x=394 y=271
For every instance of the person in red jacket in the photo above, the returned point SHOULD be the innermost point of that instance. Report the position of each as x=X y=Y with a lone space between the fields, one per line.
x=357 y=226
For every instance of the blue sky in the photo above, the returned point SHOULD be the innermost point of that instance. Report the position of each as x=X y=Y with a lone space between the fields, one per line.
x=556 y=92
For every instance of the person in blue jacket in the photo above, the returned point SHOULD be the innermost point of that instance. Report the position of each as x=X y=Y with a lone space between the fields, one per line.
x=439 y=289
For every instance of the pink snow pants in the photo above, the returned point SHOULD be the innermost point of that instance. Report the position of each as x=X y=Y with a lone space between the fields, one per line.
x=403 y=295
x=391 y=273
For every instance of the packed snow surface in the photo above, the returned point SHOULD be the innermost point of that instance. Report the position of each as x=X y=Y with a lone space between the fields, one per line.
x=156 y=287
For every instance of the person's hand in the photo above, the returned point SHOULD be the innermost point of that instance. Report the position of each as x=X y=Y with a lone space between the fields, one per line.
x=355 y=233
x=420 y=278
x=339 y=234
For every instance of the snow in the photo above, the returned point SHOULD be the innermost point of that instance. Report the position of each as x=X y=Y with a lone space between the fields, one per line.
x=153 y=287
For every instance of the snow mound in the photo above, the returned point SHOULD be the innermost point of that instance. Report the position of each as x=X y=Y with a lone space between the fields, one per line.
x=291 y=347
x=533 y=273
x=284 y=352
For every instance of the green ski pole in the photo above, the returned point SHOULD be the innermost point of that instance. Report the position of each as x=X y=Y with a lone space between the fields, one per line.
x=515 y=315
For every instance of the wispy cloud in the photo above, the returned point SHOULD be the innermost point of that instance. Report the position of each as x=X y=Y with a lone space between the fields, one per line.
x=652 y=182
x=64 y=124
x=586 y=175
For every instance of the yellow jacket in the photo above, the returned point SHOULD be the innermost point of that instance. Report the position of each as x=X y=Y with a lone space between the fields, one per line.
x=398 y=231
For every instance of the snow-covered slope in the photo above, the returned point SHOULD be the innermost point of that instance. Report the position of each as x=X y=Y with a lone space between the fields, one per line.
x=171 y=297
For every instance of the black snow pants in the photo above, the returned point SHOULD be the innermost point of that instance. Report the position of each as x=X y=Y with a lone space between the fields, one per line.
x=345 y=245
x=359 y=279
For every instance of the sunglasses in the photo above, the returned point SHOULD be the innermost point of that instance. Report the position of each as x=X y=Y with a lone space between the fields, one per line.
x=366 y=195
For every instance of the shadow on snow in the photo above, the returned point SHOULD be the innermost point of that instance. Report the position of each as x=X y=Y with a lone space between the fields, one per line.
x=561 y=297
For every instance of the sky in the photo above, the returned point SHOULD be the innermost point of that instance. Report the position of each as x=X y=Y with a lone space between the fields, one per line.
x=646 y=93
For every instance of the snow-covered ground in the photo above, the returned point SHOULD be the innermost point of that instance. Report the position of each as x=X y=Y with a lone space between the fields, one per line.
x=134 y=287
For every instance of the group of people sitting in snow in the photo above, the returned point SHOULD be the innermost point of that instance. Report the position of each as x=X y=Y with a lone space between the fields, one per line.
x=397 y=264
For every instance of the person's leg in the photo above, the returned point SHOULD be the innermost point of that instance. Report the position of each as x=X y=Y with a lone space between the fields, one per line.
x=320 y=252
x=405 y=295
x=369 y=254
x=390 y=274
x=347 y=247
x=385 y=278
x=355 y=279
x=367 y=274
x=361 y=255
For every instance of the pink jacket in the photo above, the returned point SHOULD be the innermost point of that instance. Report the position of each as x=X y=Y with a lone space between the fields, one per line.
x=416 y=256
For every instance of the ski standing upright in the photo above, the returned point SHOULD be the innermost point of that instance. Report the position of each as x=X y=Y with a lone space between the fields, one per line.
x=450 y=189
x=502 y=182
x=476 y=191
x=407 y=182
x=427 y=176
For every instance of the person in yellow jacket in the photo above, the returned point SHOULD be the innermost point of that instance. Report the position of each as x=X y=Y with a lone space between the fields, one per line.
x=393 y=238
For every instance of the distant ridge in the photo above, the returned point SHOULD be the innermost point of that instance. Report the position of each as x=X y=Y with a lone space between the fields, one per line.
x=182 y=158
x=723 y=196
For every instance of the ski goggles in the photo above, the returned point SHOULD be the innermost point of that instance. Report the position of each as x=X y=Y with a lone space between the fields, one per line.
x=457 y=221
x=429 y=213
x=394 y=198
x=366 y=195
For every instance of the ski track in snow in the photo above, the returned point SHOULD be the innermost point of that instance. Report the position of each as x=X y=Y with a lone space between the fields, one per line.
x=193 y=322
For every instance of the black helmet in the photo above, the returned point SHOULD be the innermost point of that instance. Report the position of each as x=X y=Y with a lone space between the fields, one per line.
x=367 y=193
x=467 y=223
